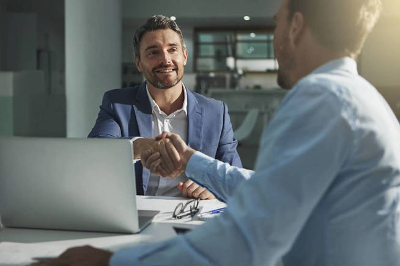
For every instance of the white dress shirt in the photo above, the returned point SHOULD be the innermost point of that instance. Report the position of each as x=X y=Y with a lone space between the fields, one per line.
x=175 y=123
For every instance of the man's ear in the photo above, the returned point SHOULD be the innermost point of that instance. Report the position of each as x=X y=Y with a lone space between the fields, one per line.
x=185 y=55
x=297 y=26
x=137 y=62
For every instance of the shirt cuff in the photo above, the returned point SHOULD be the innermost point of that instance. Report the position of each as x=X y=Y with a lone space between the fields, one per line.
x=132 y=141
x=198 y=165
x=135 y=138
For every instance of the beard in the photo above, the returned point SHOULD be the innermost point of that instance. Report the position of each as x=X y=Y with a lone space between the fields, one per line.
x=286 y=63
x=283 y=79
x=160 y=84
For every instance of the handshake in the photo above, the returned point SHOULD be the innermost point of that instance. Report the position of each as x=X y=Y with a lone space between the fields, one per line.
x=167 y=155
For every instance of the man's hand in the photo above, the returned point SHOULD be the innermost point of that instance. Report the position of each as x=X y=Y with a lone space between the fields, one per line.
x=180 y=146
x=155 y=163
x=170 y=157
x=151 y=151
x=192 y=190
x=141 y=145
x=78 y=256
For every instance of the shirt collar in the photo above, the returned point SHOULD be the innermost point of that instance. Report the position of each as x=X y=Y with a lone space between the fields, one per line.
x=156 y=108
x=345 y=63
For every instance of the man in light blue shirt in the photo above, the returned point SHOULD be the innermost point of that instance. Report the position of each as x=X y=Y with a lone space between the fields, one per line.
x=325 y=190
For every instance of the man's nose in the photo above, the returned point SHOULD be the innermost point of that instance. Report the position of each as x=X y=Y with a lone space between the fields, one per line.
x=165 y=58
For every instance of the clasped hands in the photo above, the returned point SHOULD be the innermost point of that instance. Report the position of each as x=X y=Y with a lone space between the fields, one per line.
x=167 y=155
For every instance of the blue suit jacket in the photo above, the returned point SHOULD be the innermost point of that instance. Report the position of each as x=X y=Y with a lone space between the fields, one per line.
x=127 y=113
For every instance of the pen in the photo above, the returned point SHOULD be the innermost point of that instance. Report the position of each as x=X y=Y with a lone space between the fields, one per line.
x=210 y=214
x=217 y=210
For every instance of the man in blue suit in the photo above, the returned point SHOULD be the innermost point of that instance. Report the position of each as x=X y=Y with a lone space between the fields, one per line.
x=163 y=103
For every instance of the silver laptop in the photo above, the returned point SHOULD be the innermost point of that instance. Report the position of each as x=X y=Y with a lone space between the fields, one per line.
x=70 y=184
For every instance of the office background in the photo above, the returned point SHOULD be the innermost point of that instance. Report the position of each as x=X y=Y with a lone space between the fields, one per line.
x=58 y=57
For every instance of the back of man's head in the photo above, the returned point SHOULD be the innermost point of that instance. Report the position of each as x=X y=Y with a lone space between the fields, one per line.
x=156 y=22
x=340 y=25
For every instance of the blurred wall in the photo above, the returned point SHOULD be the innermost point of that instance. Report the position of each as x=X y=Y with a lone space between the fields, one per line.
x=20 y=41
x=30 y=106
x=2 y=25
x=93 y=59
x=379 y=61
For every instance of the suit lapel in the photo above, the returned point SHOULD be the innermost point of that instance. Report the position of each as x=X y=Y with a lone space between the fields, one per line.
x=195 y=121
x=143 y=112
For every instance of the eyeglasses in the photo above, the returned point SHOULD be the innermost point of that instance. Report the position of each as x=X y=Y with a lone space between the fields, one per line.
x=190 y=208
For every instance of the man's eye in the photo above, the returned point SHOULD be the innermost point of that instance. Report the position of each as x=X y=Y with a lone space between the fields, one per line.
x=173 y=49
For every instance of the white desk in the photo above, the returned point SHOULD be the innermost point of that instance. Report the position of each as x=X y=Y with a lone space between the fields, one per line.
x=18 y=246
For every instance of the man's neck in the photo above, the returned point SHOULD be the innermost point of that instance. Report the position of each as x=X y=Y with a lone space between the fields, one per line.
x=311 y=59
x=169 y=100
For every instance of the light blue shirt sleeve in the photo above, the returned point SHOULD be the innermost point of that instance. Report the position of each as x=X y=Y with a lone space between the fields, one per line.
x=302 y=150
x=218 y=177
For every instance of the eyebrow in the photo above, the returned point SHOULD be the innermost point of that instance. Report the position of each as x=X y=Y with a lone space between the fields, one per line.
x=155 y=46
x=150 y=47
x=173 y=44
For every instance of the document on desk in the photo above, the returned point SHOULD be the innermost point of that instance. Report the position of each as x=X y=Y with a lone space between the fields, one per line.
x=168 y=204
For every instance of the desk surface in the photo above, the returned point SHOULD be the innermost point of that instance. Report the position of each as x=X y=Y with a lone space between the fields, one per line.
x=19 y=246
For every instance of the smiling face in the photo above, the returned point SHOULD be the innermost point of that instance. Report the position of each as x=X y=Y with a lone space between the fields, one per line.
x=162 y=58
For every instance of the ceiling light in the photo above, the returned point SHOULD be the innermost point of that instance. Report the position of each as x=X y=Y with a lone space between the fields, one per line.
x=172 y=18
x=252 y=35
x=246 y=18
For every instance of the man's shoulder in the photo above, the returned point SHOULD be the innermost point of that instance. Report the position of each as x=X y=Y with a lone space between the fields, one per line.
x=336 y=83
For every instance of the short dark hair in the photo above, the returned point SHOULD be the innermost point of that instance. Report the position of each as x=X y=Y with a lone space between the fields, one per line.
x=156 y=22
x=341 y=25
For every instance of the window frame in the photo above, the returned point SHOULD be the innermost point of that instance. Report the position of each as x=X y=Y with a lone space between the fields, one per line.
x=235 y=41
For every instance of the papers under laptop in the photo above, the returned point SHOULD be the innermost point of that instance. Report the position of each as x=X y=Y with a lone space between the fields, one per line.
x=69 y=184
